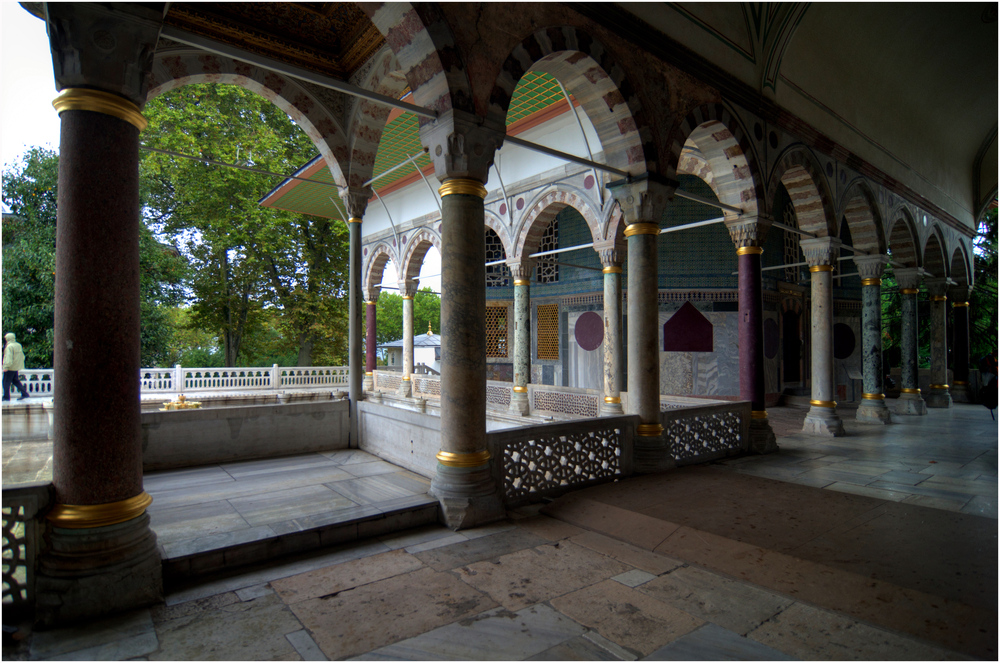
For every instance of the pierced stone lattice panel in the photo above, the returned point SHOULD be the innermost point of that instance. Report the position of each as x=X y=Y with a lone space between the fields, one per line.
x=671 y=406
x=16 y=562
x=539 y=465
x=388 y=382
x=704 y=434
x=583 y=405
x=496 y=395
x=427 y=386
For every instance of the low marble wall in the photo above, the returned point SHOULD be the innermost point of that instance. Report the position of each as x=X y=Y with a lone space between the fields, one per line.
x=25 y=421
x=404 y=437
x=187 y=438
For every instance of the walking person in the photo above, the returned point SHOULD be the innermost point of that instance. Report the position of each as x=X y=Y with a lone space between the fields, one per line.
x=13 y=363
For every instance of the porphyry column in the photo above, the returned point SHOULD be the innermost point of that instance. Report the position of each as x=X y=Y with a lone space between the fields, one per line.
x=960 y=344
x=521 y=271
x=938 y=395
x=748 y=234
x=822 y=418
x=407 y=289
x=356 y=201
x=99 y=555
x=872 y=409
x=910 y=400
x=611 y=262
x=642 y=202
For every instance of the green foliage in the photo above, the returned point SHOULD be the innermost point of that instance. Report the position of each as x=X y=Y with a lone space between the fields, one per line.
x=983 y=301
x=247 y=258
x=389 y=315
x=30 y=190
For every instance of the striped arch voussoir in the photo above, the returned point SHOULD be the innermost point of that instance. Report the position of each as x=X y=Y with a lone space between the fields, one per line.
x=903 y=239
x=863 y=218
x=934 y=260
x=808 y=191
x=379 y=255
x=546 y=207
x=416 y=248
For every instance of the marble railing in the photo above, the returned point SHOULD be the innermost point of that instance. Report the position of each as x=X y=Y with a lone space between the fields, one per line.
x=700 y=430
x=21 y=507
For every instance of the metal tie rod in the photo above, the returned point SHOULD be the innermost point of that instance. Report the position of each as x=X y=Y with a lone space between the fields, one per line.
x=563 y=155
x=203 y=43
x=705 y=201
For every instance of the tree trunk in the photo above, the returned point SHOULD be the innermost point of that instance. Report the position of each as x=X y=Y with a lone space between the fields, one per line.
x=306 y=343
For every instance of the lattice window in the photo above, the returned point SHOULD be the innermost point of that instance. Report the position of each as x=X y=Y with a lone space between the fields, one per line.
x=496 y=331
x=497 y=276
x=547 y=268
x=548 y=331
x=792 y=252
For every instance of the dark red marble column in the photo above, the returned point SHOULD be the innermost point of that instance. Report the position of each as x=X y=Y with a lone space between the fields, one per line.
x=751 y=327
x=371 y=326
x=97 y=452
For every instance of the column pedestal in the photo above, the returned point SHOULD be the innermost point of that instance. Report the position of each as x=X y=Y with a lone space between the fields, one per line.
x=874 y=411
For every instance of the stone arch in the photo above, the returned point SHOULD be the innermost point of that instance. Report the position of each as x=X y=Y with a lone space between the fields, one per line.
x=934 y=257
x=614 y=224
x=961 y=271
x=803 y=178
x=862 y=215
x=495 y=223
x=711 y=142
x=375 y=263
x=903 y=242
x=424 y=46
x=368 y=119
x=416 y=248
x=546 y=207
x=175 y=68
x=588 y=72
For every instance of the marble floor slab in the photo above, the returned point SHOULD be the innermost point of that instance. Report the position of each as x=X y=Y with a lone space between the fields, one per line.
x=711 y=642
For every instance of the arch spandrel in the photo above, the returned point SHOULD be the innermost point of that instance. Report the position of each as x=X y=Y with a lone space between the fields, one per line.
x=903 y=240
x=375 y=263
x=590 y=75
x=498 y=225
x=545 y=207
x=176 y=68
x=417 y=246
x=803 y=179
x=712 y=144
x=862 y=214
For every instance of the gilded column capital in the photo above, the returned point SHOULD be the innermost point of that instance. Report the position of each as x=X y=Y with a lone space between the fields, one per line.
x=748 y=231
x=820 y=251
x=521 y=270
x=356 y=200
x=371 y=294
x=612 y=259
x=643 y=199
x=871 y=266
x=408 y=287
x=461 y=145
x=908 y=278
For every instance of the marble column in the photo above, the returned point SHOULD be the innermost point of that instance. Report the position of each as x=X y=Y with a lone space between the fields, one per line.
x=611 y=262
x=910 y=400
x=521 y=272
x=356 y=201
x=99 y=555
x=748 y=233
x=371 y=329
x=643 y=201
x=960 y=392
x=407 y=289
x=872 y=409
x=822 y=418
x=938 y=394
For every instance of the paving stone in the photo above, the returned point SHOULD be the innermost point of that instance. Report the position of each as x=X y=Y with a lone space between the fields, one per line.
x=380 y=613
x=415 y=536
x=633 y=578
x=128 y=648
x=549 y=528
x=282 y=505
x=436 y=543
x=372 y=489
x=368 y=469
x=50 y=644
x=632 y=555
x=255 y=592
x=635 y=528
x=538 y=574
x=340 y=577
x=735 y=606
x=185 y=523
x=711 y=642
x=251 y=630
x=477 y=550
x=805 y=632
x=488 y=530
x=162 y=612
x=495 y=635
x=305 y=646
x=626 y=616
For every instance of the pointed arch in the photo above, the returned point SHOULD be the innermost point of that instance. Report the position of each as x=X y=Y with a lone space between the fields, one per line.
x=903 y=243
x=546 y=207
x=375 y=263
x=961 y=268
x=934 y=257
x=863 y=219
x=495 y=223
x=417 y=246
x=800 y=174
x=588 y=72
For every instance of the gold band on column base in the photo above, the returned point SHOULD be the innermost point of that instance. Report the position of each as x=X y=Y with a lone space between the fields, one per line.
x=874 y=397
x=406 y=378
x=830 y=404
x=649 y=430
x=939 y=298
x=612 y=400
x=99 y=102
x=960 y=304
x=354 y=219
x=749 y=251
x=821 y=268
x=909 y=291
x=466 y=187
x=960 y=383
x=522 y=282
x=612 y=270
x=473 y=459
x=938 y=386
x=84 y=516
x=642 y=229
x=871 y=281
x=369 y=373
x=758 y=414
x=907 y=390
x=520 y=390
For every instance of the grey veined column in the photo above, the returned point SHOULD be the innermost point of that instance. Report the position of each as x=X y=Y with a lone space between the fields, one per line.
x=910 y=400
x=611 y=262
x=521 y=271
x=822 y=418
x=872 y=409
x=407 y=289
x=938 y=395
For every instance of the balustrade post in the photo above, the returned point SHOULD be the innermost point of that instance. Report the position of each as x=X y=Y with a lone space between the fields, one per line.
x=275 y=377
x=178 y=378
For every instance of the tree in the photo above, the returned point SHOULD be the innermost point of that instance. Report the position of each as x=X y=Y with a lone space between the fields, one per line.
x=30 y=190
x=247 y=257
x=389 y=315
x=983 y=301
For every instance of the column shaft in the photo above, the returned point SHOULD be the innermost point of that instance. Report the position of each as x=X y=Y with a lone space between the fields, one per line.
x=960 y=359
x=522 y=345
x=371 y=328
x=822 y=418
x=938 y=395
x=910 y=400
x=612 y=340
x=872 y=408
x=751 y=343
x=355 y=376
